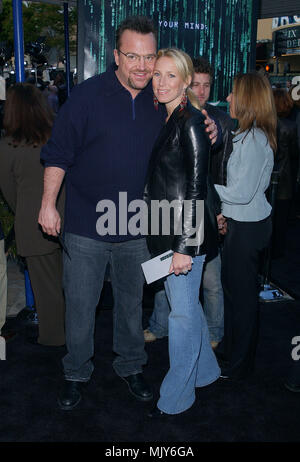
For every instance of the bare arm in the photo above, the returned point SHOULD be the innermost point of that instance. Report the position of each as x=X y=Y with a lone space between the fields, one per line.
x=49 y=218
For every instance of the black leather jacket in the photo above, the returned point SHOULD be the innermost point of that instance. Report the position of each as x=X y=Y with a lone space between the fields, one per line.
x=178 y=171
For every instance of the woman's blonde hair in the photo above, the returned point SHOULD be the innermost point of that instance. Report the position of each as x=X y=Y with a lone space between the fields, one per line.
x=184 y=65
x=254 y=105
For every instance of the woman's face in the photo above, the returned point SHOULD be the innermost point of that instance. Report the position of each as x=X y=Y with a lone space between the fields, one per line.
x=168 y=86
x=230 y=100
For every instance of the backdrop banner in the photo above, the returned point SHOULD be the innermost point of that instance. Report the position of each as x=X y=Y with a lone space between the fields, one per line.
x=224 y=31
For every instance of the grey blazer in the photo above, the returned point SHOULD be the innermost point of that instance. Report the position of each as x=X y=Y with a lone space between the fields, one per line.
x=21 y=182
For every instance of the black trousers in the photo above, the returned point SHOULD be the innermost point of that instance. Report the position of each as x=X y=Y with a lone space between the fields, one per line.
x=45 y=273
x=280 y=221
x=240 y=263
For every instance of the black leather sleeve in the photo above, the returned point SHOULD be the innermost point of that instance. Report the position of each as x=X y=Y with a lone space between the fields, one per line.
x=215 y=198
x=195 y=147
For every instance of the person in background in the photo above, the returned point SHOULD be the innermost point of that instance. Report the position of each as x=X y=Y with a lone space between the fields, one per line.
x=213 y=299
x=3 y=282
x=60 y=84
x=294 y=115
x=286 y=158
x=53 y=98
x=249 y=225
x=158 y=323
x=28 y=122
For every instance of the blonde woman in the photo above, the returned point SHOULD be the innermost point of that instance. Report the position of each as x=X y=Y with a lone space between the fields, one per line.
x=249 y=226
x=178 y=172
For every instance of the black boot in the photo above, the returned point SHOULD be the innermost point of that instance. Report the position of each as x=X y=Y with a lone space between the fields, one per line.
x=138 y=387
x=70 y=395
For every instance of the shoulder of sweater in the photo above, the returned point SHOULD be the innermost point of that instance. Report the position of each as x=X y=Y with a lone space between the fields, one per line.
x=87 y=85
x=88 y=89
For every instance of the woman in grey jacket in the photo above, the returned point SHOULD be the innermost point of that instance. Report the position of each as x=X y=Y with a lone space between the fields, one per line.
x=249 y=226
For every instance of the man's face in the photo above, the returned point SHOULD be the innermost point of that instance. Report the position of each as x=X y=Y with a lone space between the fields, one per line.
x=135 y=74
x=201 y=87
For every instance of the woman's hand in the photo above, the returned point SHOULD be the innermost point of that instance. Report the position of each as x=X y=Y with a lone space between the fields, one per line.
x=180 y=264
x=222 y=224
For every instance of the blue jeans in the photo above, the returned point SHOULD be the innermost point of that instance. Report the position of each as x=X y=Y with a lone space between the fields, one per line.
x=83 y=280
x=192 y=361
x=158 y=322
x=213 y=299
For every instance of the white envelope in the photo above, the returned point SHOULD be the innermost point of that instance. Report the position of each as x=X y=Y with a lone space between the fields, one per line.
x=158 y=267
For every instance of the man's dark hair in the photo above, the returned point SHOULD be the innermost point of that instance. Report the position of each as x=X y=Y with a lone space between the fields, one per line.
x=202 y=66
x=140 y=24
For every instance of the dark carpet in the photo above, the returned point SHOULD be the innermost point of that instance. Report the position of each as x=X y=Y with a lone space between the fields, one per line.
x=257 y=410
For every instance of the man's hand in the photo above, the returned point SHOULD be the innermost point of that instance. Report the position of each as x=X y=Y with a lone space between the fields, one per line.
x=222 y=224
x=180 y=264
x=211 y=127
x=50 y=221
x=49 y=218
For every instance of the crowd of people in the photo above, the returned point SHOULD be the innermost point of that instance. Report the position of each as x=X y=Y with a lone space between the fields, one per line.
x=145 y=127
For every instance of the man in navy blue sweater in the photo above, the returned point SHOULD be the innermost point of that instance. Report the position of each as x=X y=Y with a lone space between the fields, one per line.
x=101 y=144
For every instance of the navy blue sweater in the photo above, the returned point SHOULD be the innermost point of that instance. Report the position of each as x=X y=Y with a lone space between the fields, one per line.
x=103 y=139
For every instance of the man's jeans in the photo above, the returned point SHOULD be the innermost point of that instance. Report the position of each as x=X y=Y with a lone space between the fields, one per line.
x=192 y=361
x=83 y=280
x=213 y=299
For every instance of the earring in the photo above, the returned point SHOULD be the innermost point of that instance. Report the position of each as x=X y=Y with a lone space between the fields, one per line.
x=155 y=102
x=183 y=102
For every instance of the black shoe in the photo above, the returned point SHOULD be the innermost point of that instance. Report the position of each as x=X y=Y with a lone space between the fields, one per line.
x=138 y=387
x=156 y=413
x=224 y=376
x=292 y=387
x=70 y=395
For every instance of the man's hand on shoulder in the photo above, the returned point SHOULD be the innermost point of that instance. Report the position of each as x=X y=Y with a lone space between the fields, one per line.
x=211 y=128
